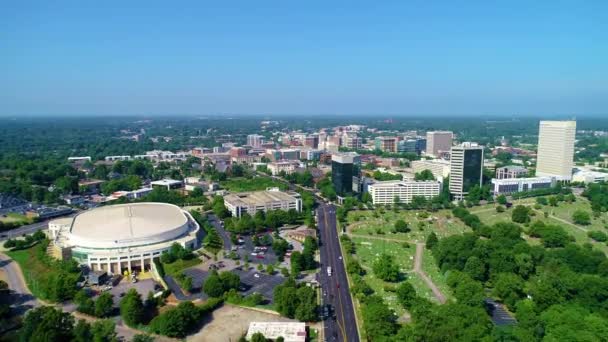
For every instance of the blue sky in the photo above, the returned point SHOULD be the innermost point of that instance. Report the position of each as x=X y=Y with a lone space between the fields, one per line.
x=304 y=57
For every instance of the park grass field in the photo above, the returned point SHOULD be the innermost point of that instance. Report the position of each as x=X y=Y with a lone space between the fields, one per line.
x=252 y=184
x=15 y=217
x=560 y=215
x=439 y=279
x=441 y=222
x=175 y=268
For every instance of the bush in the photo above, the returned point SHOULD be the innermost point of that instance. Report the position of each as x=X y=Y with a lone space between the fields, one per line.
x=598 y=236
x=581 y=217
x=521 y=214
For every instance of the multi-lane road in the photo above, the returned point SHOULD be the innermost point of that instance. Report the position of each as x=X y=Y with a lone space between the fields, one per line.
x=335 y=286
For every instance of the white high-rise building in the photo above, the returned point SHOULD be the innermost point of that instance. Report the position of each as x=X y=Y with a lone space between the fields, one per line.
x=255 y=140
x=438 y=141
x=466 y=168
x=555 y=155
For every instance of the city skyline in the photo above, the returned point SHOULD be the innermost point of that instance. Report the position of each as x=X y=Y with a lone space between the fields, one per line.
x=277 y=58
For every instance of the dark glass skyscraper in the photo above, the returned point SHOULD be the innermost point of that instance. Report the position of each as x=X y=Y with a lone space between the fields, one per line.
x=346 y=173
x=466 y=168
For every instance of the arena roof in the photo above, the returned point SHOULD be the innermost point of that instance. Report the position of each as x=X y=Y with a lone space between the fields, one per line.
x=129 y=222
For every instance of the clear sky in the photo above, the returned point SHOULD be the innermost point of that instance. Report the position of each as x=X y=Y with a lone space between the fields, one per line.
x=304 y=57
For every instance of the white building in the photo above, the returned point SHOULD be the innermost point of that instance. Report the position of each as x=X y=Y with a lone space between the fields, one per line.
x=466 y=168
x=288 y=167
x=439 y=167
x=438 y=141
x=384 y=192
x=290 y=331
x=271 y=199
x=169 y=184
x=123 y=237
x=255 y=140
x=511 y=171
x=588 y=176
x=555 y=155
x=512 y=185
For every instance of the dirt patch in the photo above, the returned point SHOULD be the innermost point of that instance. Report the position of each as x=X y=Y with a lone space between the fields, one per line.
x=3 y=276
x=231 y=322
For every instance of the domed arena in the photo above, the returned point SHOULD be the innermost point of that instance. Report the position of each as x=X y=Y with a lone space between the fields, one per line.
x=123 y=237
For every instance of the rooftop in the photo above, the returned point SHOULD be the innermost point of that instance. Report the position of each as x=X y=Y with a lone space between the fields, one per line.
x=127 y=221
x=166 y=182
x=257 y=197
x=290 y=331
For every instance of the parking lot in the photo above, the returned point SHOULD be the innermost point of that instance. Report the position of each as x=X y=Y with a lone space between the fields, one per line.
x=245 y=249
x=263 y=283
x=143 y=287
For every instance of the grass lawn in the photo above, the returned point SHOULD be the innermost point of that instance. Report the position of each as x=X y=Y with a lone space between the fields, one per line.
x=37 y=274
x=368 y=250
x=439 y=279
x=253 y=184
x=175 y=268
x=563 y=211
x=441 y=222
x=15 y=217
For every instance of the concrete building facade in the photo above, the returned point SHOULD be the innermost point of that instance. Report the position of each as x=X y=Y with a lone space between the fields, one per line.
x=507 y=186
x=384 y=193
x=555 y=155
x=271 y=199
x=438 y=142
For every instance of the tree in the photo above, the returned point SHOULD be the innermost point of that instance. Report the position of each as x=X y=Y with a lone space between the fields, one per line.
x=424 y=175
x=475 y=268
x=46 y=323
x=258 y=337
x=142 y=338
x=581 y=217
x=521 y=214
x=104 y=305
x=379 y=321
x=104 y=331
x=466 y=290
x=213 y=285
x=509 y=288
x=553 y=201
x=306 y=310
x=501 y=199
x=297 y=261
x=431 y=240
x=406 y=294
x=82 y=331
x=401 y=226
x=597 y=235
x=132 y=308
x=285 y=298
x=84 y=303
x=385 y=268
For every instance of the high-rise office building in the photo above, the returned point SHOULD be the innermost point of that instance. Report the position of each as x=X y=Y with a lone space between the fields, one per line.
x=411 y=145
x=438 y=141
x=345 y=172
x=386 y=144
x=352 y=141
x=555 y=156
x=255 y=140
x=466 y=168
x=312 y=141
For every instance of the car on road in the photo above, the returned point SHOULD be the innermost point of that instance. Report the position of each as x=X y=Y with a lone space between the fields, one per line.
x=329 y=271
x=340 y=257
x=259 y=256
x=256 y=275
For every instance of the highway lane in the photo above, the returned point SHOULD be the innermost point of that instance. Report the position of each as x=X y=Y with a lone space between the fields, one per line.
x=27 y=229
x=344 y=327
